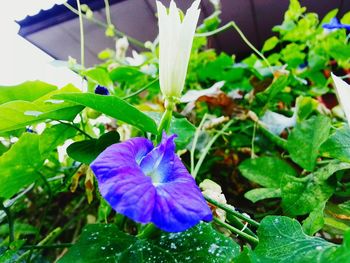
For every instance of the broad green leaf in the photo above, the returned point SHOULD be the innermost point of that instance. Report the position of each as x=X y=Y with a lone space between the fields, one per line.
x=19 y=165
x=125 y=74
x=293 y=54
x=18 y=114
x=300 y=196
x=305 y=106
x=114 y=107
x=266 y=171
x=87 y=151
x=338 y=145
x=3 y=148
x=273 y=90
x=281 y=239
x=105 y=243
x=270 y=44
x=315 y=221
x=258 y=194
x=306 y=138
x=179 y=126
x=294 y=10
x=27 y=91
x=99 y=76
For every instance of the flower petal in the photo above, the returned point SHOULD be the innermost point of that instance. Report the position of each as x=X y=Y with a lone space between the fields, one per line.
x=122 y=182
x=179 y=203
x=159 y=162
x=343 y=94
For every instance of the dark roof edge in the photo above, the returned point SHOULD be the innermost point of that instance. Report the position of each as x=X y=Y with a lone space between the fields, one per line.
x=56 y=15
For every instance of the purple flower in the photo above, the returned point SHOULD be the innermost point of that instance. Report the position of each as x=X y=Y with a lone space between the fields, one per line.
x=150 y=184
x=335 y=24
x=101 y=90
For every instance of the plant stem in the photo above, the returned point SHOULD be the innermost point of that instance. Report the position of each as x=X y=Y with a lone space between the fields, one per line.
x=164 y=124
x=77 y=128
x=9 y=220
x=252 y=240
x=195 y=140
x=207 y=148
x=103 y=25
x=108 y=13
x=282 y=143
x=241 y=34
x=82 y=43
x=140 y=90
x=62 y=245
x=232 y=211
x=51 y=236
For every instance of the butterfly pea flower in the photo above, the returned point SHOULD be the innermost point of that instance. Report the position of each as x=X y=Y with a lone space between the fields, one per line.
x=335 y=24
x=101 y=90
x=150 y=184
x=175 y=43
x=343 y=94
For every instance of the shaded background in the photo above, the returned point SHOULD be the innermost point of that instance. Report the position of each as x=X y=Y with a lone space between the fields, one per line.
x=56 y=31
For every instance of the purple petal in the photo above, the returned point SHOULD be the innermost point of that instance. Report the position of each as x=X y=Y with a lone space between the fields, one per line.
x=335 y=24
x=150 y=184
x=159 y=162
x=179 y=203
x=121 y=181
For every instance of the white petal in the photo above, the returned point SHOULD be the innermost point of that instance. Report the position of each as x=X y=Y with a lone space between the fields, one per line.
x=343 y=94
x=175 y=43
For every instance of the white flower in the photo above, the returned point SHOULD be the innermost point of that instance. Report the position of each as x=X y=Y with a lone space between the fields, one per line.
x=343 y=93
x=121 y=46
x=175 y=43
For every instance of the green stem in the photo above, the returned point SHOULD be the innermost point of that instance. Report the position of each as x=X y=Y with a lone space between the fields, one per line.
x=164 y=124
x=234 y=221
x=9 y=220
x=140 y=90
x=252 y=240
x=108 y=13
x=241 y=34
x=195 y=140
x=51 y=236
x=62 y=245
x=231 y=210
x=82 y=43
x=103 y=25
x=77 y=128
x=282 y=143
x=207 y=148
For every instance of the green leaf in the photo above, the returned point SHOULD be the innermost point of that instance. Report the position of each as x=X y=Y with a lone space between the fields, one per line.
x=27 y=91
x=270 y=43
x=281 y=239
x=337 y=145
x=88 y=150
x=125 y=74
x=99 y=76
x=179 y=126
x=273 y=90
x=19 y=165
x=294 y=10
x=114 y=107
x=105 y=243
x=258 y=194
x=314 y=222
x=305 y=106
x=266 y=171
x=18 y=114
x=300 y=196
x=306 y=138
